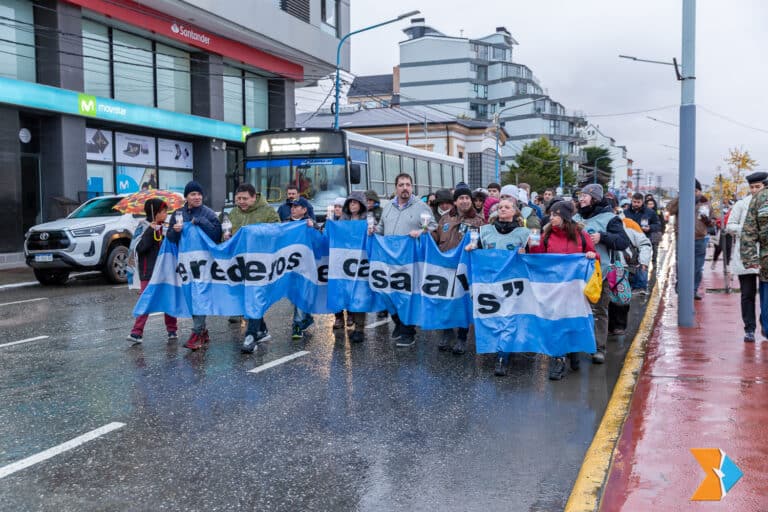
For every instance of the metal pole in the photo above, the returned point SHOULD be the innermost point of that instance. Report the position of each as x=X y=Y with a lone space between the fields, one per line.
x=686 y=251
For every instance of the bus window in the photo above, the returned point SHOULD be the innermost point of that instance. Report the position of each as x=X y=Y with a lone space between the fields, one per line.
x=448 y=176
x=407 y=164
x=376 y=170
x=392 y=164
x=458 y=174
x=435 y=179
x=360 y=156
x=422 y=177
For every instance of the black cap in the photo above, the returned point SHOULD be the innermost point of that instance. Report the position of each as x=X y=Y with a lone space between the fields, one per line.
x=757 y=177
x=698 y=186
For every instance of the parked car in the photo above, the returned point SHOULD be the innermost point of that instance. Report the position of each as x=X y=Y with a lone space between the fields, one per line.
x=93 y=237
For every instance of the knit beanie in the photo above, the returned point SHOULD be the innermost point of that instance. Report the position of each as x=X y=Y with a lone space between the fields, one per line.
x=509 y=190
x=594 y=190
x=564 y=209
x=193 y=186
x=464 y=191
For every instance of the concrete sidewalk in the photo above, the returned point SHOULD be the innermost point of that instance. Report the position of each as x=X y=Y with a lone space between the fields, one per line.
x=699 y=387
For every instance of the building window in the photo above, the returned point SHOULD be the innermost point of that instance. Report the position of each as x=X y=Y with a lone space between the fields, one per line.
x=233 y=95
x=256 y=101
x=328 y=14
x=97 y=79
x=132 y=60
x=499 y=54
x=173 y=79
x=296 y=8
x=17 y=40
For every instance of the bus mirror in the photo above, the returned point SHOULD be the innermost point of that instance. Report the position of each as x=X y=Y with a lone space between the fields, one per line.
x=354 y=173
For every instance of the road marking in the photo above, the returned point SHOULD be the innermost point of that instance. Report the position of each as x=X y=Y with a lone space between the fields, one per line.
x=23 y=301
x=376 y=324
x=37 y=338
x=277 y=362
x=18 y=285
x=52 y=452
x=156 y=314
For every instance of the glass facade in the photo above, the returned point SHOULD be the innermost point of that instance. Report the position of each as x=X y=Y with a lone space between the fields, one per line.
x=132 y=61
x=233 y=95
x=256 y=101
x=17 y=40
x=174 y=91
x=97 y=77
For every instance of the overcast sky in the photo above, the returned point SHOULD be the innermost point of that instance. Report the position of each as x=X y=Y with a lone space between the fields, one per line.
x=573 y=48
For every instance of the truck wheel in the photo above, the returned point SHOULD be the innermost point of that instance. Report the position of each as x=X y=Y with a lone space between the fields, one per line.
x=115 y=266
x=51 y=277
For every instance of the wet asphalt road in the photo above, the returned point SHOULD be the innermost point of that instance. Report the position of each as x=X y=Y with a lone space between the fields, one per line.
x=368 y=427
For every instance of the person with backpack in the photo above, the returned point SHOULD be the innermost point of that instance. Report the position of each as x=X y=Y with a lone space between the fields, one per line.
x=606 y=230
x=563 y=236
x=150 y=238
x=637 y=256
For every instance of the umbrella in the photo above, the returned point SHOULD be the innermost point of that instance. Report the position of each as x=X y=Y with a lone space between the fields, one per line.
x=134 y=203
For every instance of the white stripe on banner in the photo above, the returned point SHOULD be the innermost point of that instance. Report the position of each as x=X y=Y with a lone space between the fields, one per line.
x=421 y=278
x=550 y=301
x=348 y=263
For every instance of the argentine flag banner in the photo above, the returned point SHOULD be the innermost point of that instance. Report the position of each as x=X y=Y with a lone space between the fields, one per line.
x=260 y=265
x=531 y=303
x=424 y=286
x=349 y=268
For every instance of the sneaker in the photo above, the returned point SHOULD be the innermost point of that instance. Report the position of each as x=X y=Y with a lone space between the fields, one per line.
x=445 y=341
x=500 y=370
x=556 y=368
x=308 y=323
x=397 y=332
x=598 y=357
x=263 y=336
x=459 y=347
x=235 y=319
x=138 y=338
x=194 y=342
x=406 y=340
x=749 y=337
x=357 y=337
x=172 y=336
x=297 y=332
x=338 y=323
x=573 y=358
x=382 y=314
x=249 y=344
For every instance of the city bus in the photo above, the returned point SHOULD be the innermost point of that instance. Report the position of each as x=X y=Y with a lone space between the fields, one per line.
x=325 y=164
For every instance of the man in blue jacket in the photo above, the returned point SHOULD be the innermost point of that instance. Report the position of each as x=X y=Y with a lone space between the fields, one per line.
x=292 y=195
x=196 y=213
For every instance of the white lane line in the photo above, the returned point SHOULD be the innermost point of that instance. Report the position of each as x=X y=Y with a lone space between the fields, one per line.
x=19 y=285
x=36 y=338
x=376 y=324
x=52 y=452
x=277 y=362
x=155 y=314
x=23 y=301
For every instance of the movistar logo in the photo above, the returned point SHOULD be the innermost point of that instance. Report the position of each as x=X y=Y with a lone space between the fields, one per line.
x=244 y=132
x=86 y=105
x=721 y=474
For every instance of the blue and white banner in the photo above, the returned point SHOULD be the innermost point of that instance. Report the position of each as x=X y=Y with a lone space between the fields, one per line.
x=260 y=265
x=531 y=303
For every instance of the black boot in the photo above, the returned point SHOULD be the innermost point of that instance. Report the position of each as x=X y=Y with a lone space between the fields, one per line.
x=556 y=368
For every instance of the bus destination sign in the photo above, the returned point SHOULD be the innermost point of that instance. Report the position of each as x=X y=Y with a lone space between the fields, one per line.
x=297 y=143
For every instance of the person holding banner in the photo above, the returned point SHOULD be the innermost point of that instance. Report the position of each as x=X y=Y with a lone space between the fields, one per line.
x=301 y=320
x=196 y=213
x=449 y=233
x=563 y=236
x=606 y=230
x=404 y=215
x=251 y=208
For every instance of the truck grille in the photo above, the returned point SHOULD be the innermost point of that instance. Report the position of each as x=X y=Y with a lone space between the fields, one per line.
x=55 y=240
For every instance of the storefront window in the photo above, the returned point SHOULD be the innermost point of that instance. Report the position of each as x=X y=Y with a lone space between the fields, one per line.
x=173 y=80
x=233 y=95
x=256 y=101
x=17 y=40
x=100 y=179
x=96 y=78
x=173 y=180
x=132 y=60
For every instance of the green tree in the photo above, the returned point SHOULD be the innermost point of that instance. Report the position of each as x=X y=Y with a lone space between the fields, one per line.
x=605 y=170
x=538 y=164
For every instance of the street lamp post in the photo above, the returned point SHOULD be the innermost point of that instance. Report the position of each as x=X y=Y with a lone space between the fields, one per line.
x=596 y=168
x=338 y=57
x=497 y=119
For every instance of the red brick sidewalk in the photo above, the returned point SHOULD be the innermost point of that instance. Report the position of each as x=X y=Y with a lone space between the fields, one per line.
x=700 y=387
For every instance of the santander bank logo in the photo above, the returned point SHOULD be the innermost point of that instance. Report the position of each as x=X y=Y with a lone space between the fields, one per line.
x=188 y=33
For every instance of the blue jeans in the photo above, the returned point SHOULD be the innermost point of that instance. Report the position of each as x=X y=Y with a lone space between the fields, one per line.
x=700 y=251
x=639 y=280
x=301 y=318
x=764 y=307
x=255 y=326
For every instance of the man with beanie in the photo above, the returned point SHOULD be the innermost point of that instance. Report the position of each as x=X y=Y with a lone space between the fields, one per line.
x=195 y=213
x=403 y=216
x=606 y=230
x=748 y=228
x=450 y=231
x=703 y=221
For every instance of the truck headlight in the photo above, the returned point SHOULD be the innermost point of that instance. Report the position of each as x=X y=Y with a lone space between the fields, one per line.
x=89 y=231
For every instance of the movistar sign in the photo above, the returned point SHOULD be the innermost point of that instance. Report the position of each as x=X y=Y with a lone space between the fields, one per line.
x=86 y=105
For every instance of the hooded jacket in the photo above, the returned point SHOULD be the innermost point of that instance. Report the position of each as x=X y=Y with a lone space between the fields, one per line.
x=599 y=218
x=147 y=250
x=258 y=213
x=397 y=220
x=360 y=198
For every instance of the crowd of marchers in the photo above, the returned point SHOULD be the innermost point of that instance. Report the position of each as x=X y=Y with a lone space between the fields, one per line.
x=623 y=234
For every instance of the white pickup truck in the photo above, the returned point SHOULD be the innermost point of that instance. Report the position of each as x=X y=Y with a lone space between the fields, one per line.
x=93 y=237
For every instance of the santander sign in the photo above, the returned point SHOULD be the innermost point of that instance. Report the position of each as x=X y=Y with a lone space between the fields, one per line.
x=188 y=33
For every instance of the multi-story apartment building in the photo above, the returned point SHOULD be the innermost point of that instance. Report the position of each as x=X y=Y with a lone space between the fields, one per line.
x=101 y=96
x=620 y=179
x=478 y=78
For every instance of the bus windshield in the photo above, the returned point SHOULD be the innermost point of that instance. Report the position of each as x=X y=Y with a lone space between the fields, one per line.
x=319 y=180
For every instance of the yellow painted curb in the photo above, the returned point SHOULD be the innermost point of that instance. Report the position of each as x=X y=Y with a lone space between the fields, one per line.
x=587 y=490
